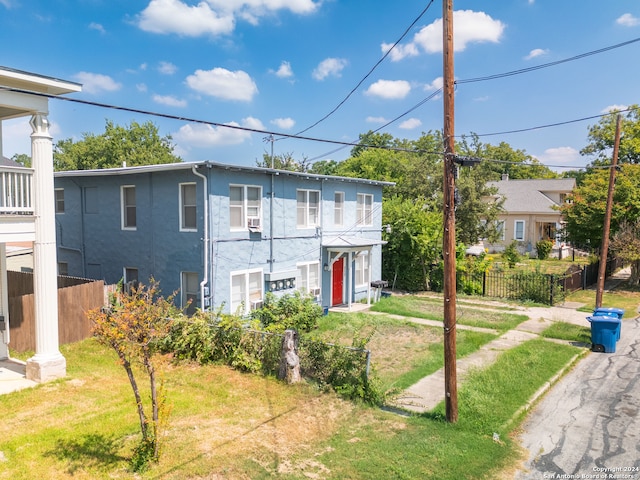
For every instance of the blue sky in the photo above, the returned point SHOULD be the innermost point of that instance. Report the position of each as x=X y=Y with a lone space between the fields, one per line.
x=282 y=65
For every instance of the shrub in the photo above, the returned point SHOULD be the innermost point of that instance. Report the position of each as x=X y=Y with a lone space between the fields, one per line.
x=544 y=247
x=292 y=311
x=511 y=254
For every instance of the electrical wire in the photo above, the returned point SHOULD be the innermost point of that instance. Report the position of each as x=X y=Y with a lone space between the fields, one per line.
x=387 y=53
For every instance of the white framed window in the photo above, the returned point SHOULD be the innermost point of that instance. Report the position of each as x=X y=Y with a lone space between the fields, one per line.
x=245 y=206
x=362 y=269
x=130 y=279
x=59 y=200
x=188 y=219
x=128 y=202
x=189 y=287
x=500 y=225
x=364 y=209
x=247 y=291
x=308 y=278
x=338 y=208
x=308 y=208
x=518 y=230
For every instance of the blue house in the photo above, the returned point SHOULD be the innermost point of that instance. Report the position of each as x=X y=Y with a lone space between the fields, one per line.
x=222 y=235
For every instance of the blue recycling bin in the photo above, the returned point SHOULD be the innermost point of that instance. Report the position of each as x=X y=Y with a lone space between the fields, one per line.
x=610 y=312
x=604 y=333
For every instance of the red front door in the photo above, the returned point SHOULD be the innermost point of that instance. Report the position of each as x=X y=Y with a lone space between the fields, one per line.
x=337 y=282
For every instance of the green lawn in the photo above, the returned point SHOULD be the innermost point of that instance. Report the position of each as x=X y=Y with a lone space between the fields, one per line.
x=225 y=424
x=479 y=315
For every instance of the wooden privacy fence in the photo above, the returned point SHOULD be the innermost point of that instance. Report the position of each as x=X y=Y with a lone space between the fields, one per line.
x=73 y=303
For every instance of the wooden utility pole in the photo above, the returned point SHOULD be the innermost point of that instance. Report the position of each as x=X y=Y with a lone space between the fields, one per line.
x=449 y=236
x=604 y=250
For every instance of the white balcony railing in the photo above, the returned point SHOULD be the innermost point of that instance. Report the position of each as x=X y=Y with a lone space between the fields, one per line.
x=16 y=191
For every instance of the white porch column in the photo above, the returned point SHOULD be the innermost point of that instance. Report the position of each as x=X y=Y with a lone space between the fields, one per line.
x=4 y=305
x=48 y=363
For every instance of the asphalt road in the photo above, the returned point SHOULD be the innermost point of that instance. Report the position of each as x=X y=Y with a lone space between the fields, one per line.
x=587 y=426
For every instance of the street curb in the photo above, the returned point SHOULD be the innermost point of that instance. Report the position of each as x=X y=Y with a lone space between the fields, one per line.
x=545 y=388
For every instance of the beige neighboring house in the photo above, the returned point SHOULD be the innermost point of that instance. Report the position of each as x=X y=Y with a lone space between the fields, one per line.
x=531 y=211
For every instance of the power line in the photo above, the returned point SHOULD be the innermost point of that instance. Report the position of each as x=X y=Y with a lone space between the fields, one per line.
x=388 y=52
x=546 y=65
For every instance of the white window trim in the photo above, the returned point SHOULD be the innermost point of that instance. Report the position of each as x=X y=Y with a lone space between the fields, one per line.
x=502 y=229
x=184 y=294
x=181 y=212
x=247 y=300
x=341 y=210
x=306 y=203
x=515 y=230
x=245 y=215
x=365 y=258
x=310 y=289
x=123 y=208
x=58 y=212
x=365 y=220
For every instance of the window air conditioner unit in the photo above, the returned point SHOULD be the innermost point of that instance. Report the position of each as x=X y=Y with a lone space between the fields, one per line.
x=256 y=305
x=253 y=223
x=315 y=292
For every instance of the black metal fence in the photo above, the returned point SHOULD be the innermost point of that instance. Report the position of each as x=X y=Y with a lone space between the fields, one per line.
x=533 y=286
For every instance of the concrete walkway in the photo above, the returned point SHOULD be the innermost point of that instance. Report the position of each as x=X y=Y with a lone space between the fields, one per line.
x=427 y=393
x=13 y=376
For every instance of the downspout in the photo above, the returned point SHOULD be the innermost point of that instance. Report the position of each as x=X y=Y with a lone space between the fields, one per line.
x=205 y=278
x=271 y=196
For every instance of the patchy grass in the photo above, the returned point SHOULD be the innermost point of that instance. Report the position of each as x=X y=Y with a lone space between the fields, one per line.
x=226 y=424
x=569 y=332
x=422 y=307
x=624 y=296
x=550 y=265
x=402 y=352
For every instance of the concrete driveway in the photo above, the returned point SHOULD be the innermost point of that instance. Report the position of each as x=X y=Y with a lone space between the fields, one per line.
x=587 y=426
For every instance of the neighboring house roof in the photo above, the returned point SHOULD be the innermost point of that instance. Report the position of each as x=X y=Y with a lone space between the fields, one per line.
x=532 y=196
x=189 y=166
x=7 y=162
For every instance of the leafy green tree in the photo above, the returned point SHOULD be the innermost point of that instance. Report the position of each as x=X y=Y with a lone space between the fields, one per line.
x=324 y=167
x=284 y=161
x=585 y=212
x=133 y=145
x=602 y=137
x=23 y=159
x=414 y=242
x=372 y=139
x=626 y=245
x=134 y=327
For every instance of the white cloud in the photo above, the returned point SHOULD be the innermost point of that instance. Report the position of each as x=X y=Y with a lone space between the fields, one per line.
x=470 y=27
x=390 y=89
x=481 y=99
x=97 y=83
x=198 y=135
x=536 y=52
x=143 y=66
x=614 y=108
x=410 y=124
x=141 y=87
x=400 y=51
x=284 y=71
x=98 y=27
x=437 y=84
x=167 y=68
x=6 y=3
x=329 y=67
x=560 y=156
x=174 y=16
x=169 y=100
x=224 y=84
x=376 y=120
x=213 y=17
x=627 y=20
x=283 y=123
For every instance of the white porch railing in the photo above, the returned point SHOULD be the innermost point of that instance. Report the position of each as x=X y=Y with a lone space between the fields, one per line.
x=16 y=191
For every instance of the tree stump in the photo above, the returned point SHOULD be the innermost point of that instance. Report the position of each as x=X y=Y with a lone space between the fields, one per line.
x=289 y=361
